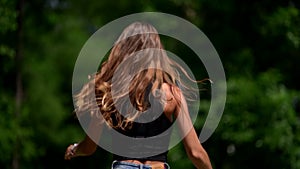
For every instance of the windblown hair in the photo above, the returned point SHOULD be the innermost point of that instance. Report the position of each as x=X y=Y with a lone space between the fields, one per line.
x=136 y=67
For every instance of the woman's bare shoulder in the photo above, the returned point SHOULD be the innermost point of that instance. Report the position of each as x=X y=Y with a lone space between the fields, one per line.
x=170 y=90
x=170 y=102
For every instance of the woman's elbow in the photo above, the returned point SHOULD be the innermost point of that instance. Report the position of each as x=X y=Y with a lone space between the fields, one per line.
x=197 y=155
x=200 y=159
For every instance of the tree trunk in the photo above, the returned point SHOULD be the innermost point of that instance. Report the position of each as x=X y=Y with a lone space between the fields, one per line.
x=19 y=84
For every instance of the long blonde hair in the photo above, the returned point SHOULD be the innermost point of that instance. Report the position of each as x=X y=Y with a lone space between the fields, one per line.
x=138 y=49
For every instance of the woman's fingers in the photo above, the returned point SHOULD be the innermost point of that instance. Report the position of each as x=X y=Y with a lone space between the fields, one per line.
x=69 y=153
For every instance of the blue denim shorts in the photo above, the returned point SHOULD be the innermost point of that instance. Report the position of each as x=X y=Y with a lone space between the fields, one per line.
x=128 y=165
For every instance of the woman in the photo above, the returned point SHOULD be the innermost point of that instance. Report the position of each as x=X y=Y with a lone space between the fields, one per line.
x=135 y=84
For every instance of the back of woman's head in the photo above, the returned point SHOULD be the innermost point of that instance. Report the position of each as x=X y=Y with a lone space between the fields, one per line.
x=134 y=38
x=136 y=65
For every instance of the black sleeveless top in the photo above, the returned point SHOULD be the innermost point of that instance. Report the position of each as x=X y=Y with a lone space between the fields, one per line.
x=157 y=132
x=159 y=135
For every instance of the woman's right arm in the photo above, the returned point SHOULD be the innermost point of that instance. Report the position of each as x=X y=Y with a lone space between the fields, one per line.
x=195 y=151
x=191 y=142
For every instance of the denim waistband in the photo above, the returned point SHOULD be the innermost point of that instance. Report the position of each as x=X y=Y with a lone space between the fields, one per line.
x=127 y=165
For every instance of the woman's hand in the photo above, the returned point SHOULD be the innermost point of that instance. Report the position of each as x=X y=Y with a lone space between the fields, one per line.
x=71 y=151
x=86 y=147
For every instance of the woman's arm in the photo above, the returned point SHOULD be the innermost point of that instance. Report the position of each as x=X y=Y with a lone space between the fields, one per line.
x=87 y=146
x=191 y=142
x=195 y=151
x=84 y=148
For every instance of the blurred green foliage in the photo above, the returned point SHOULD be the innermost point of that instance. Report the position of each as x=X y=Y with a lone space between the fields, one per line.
x=259 y=123
x=258 y=43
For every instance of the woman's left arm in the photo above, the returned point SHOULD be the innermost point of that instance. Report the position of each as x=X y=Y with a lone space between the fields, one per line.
x=84 y=148
x=87 y=146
